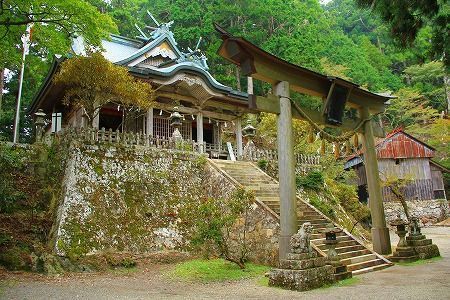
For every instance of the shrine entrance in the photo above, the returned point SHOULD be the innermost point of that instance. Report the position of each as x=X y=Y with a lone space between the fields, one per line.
x=337 y=94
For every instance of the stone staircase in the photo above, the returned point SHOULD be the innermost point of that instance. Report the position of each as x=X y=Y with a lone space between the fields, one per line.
x=352 y=252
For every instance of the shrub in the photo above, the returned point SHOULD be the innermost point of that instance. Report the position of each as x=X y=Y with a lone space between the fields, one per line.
x=213 y=223
x=262 y=164
x=313 y=181
x=323 y=206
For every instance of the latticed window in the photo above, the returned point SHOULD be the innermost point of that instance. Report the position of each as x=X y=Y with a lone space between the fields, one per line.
x=161 y=128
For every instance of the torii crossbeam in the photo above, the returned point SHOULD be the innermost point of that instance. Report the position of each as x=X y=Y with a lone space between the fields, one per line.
x=337 y=93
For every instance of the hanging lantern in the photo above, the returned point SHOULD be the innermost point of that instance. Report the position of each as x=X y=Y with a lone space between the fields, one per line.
x=355 y=141
x=249 y=130
x=311 y=135
x=175 y=119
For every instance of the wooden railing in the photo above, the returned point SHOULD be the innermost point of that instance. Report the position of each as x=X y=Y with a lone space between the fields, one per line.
x=272 y=155
x=92 y=135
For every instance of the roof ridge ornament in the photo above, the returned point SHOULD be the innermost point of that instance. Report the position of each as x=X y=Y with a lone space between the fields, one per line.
x=195 y=56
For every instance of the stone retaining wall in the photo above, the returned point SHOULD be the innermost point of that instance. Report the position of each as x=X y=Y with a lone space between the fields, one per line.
x=262 y=228
x=125 y=198
x=428 y=211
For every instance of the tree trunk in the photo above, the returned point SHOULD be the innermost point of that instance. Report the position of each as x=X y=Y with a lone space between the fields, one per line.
x=447 y=91
x=2 y=85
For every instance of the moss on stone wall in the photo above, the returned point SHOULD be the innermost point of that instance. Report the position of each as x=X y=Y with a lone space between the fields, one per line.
x=126 y=199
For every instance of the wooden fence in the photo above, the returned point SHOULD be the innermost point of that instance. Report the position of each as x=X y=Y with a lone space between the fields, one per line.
x=92 y=135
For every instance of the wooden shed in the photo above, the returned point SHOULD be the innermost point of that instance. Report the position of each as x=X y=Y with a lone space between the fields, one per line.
x=400 y=155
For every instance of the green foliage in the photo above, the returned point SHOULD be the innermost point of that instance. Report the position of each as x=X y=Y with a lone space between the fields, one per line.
x=313 y=181
x=409 y=108
x=406 y=18
x=55 y=22
x=214 y=270
x=93 y=81
x=428 y=78
x=347 y=197
x=323 y=206
x=213 y=225
x=262 y=164
x=12 y=162
x=15 y=258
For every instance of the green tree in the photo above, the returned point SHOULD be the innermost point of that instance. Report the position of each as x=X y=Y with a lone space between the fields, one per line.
x=409 y=109
x=406 y=18
x=93 y=81
x=429 y=78
x=55 y=23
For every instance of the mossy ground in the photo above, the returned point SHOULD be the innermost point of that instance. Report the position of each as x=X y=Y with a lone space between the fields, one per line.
x=215 y=270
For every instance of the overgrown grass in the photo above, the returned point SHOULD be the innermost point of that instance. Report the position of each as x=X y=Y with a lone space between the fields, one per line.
x=215 y=270
x=419 y=262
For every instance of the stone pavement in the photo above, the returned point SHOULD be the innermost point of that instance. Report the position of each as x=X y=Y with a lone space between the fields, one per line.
x=429 y=280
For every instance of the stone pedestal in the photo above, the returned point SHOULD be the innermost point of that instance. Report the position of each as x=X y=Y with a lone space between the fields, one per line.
x=301 y=272
x=340 y=270
x=422 y=246
x=403 y=252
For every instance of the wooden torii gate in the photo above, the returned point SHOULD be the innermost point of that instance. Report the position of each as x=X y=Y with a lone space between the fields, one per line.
x=336 y=94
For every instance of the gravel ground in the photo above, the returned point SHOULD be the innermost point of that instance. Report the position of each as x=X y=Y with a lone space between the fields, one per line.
x=430 y=280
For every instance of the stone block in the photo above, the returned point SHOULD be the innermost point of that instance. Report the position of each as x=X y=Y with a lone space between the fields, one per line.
x=301 y=280
x=423 y=242
x=302 y=264
x=415 y=237
x=426 y=252
x=301 y=256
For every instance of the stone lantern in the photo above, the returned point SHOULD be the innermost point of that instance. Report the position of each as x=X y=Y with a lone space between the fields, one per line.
x=401 y=230
x=39 y=122
x=340 y=270
x=249 y=131
x=403 y=252
x=176 y=122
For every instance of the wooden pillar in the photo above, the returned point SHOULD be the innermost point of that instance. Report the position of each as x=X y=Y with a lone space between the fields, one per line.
x=239 y=145
x=286 y=170
x=200 y=130
x=149 y=124
x=380 y=233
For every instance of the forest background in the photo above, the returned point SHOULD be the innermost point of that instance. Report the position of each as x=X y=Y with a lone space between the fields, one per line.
x=337 y=38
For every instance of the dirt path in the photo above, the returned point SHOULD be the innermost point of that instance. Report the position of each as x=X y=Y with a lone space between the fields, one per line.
x=426 y=281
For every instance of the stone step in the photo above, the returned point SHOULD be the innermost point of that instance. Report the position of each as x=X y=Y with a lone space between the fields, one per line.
x=371 y=269
x=266 y=186
x=365 y=264
x=313 y=221
x=340 y=244
x=321 y=239
x=353 y=253
x=308 y=213
x=266 y=194
x=358 y=259
x=347 y=248
x=318 y=236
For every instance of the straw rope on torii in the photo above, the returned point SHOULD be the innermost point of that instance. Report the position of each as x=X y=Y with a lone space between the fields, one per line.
x=344 y=137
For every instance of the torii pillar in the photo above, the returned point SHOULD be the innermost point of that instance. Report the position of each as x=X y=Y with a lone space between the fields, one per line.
x=380 y=233
x=286 y=170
